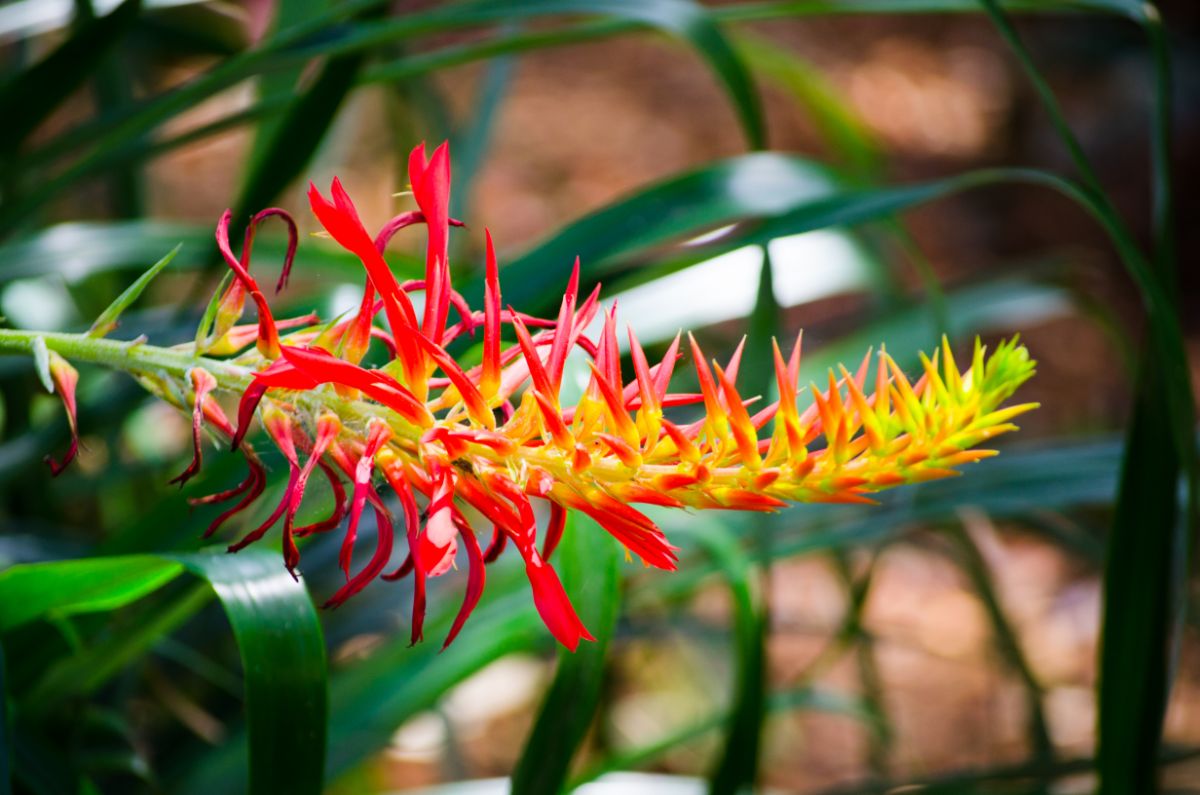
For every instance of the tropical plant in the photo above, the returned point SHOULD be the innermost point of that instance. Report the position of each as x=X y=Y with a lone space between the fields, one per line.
x=101 y=608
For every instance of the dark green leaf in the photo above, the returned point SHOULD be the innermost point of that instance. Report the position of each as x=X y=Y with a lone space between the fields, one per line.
x=28 y=97
x=79 y=250
x=758 y=364
x=299 y=133
x=283 y=659
x=36 y=590
x=85 y=671
x=372 y=699
x=287 y=13
x=589 y=564
x=844 y=133
x=5 y=744
x=736 y=769
x=752 y=186
x=1139 y=600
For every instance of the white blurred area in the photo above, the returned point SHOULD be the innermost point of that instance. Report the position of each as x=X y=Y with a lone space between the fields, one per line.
x=804 y=268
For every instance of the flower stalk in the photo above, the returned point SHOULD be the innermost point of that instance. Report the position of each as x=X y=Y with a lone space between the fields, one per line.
x=461 y=449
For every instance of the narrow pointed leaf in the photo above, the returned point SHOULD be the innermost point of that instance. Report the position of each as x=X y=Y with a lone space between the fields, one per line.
x=283 y=660
x=107 y=321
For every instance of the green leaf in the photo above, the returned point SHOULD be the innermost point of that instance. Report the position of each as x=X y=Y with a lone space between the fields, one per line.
x=284 y=156
x=274 y=623
x=370 y=700
x=29 y=96
x=762 y=327
x=752 y=186
x=41 y=590
x=107 y=321
x=283 y=659
x=79 y=250
x=1005 y=637
x=844 y=133
x=83 y=673
x=736 y=769
x=41 y=363
x=589 y=560
x=5 y=742
x=1148 y=547
x=109 y=136
x=287 y=13
x=1145 y=550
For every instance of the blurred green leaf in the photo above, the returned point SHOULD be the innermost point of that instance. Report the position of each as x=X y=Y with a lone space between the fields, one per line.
x=751 y=186
x=299 y=43
x=844 y=133
x=971 y=560
x=588 y=559
x=1148 y=546
x=287 y=13
x=1146 y=552
x=79 y=250
x=5 y=743
x=283 y=660
x=36 y=590
x=371 y=699
x=29 y=96
x=757 y=372
x=800 y=698
x=284 y=155
x=107 y=321
x=736 y=770
x=85 y=671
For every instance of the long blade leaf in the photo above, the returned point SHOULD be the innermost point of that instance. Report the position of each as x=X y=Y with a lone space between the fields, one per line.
x=37 y=590
x=283 y=659
x=589 y=560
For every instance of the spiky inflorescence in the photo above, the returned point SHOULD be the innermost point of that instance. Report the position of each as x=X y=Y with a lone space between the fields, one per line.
x=496 y=436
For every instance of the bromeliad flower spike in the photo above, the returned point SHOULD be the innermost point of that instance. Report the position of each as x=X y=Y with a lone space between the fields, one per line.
x=497 y=437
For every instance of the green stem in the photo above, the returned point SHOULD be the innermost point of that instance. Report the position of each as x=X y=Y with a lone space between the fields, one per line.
x=129 y=356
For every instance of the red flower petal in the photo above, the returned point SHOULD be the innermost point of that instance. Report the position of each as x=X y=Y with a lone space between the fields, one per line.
x=553 y=605
x=65 y=379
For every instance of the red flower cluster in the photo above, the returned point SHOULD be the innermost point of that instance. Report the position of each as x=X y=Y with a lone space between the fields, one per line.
x=497 y=438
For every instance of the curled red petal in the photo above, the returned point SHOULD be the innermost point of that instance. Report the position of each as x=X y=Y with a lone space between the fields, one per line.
x=202 y=383
x=293 y=240
x=554 y=530
x=268 y=336
x=262 y=529
x=476 y=576
x=339 y=505
x=377 y=436
x=553 y=605
x=341 y=220
x=383 y=552
x=499 y=542
x=251 y=488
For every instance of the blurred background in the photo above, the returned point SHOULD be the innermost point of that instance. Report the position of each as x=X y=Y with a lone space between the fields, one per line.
x=946 y=638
